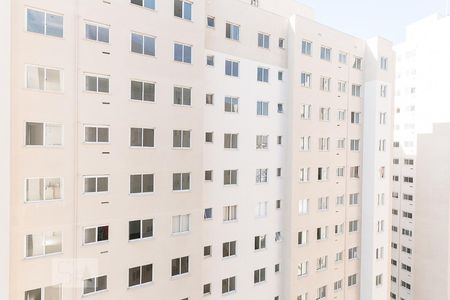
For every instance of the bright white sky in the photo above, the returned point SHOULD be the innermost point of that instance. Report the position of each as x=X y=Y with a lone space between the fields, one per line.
x=368 y=18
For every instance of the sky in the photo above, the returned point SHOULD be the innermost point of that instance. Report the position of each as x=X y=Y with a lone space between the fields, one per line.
x=369 y=18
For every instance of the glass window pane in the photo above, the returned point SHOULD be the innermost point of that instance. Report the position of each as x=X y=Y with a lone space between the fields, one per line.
x=52 y=189
x=186 y=139
x=147 y=228
x=147 y=273
x=135 y=184
x=91 y=32
x=184 y=223
x=34 y=189
x=176 y=182
x=53 y=135
x=134 y=276
x=35 y=21
x=186 y=96
x=149 y=92
x=89 y=286
x=103 y=135
x=53 y=242
x=177 y=95
x=35 y=77
x=147 y=183
x=137 y=2
x=102 y=184
x=187 y=54
x=177 y=138
x=178 y=52
x=90 y=134
x=187 y=11
x=186 y=181
x=136 y=137
x=136 y=90
x=134 y=230
x=175 y=266
x=149 y=46
x=53 y=292
x=90 y=235
x=137 y=43
x=149 y=138
x=178 y=8
x=102 y=233
x=175 y=224
x=149 y=3
x=90 y=185
x=103 y=34
x=102 y=283
x=185 y=264
x=235 y=69
x=34 y=134
x=54 y=25
x=91 y=83
x=103 y=85
x=34 y=245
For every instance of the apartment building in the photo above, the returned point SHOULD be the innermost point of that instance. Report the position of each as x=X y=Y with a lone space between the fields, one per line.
x=421 y=85
x=193 y=149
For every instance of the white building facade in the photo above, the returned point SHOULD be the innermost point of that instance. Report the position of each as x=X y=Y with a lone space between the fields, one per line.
x=189 y=149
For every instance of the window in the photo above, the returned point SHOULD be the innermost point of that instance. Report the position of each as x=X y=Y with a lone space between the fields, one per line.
x=322 y=263
x=180 y=223
x=351 y=280
x=97 y=32
x=277 y=268
x=408 y=162
x=306 y=47
x=95 y=284
x=210 y=60
x=228 y=285
x=43 y=134
x=279 y=140
x=140 y=229
x=231 y=68
x=356 y=90
x=181 y=139
x=339 y=229
x=96 y=234
x=142 y=137
x=407 y=232
x=353 y=226
x=382 y=145
x=304 y=174
x=305 y=79
x=262 y=74
x=211 y=21
x=278 y=204
x=180 y=266
x=262 y=142
x=322 y=203
x=324 y=114
x=280 y=108
x=338 y=285
x=141 y=184
x=408 y=179
x=340 y=200
x=230 y=213
x=209 y=137
x=280 y=75
x=379 y=279
x=383 y=63
x=230 y=141
x=183 y=9
x=303 y=296
x=406 y=285
x=379 y=253
x=259 y=275
x=343 y=58
x=303 y=205
x=357 y=63
x=210 y=99
x=232 y=31
x=260 y=242
x=354 y=172
x=96 y=134
x=142 y=44
x=383 y=91
x=96 y=184
x=342 y=86
x=261 y=209
x=231 y=104
x=142 y=91
x=40 y=244
x=324 y=144
x=229 y=249
x=322 y=233
x=254 y=3
x=407 y=197
x=339 y=256
x=305 y=143
x=353 y=253
x=341 y=115
x=325 y=83
x=182 y=95
x=45 y=23
x=302 y=237
x=382 y=118
x=140 y=275
x=262 y=108
x=380 y=226
x=261 y=175
x=353 y=199
x=305 y=111
x=207 y=214
x=207 y=289
x=229 y=177
x=53 y=292
x=43 y=189
x=325 y=53
x=207 y=251
x=354 y=145
x=145 y=3
x=182 y=53
x=97 y=83
x=322 y=174
x=322 y=292
x=181 y=181
x=44 y=79
x=263 y=40
x=355 y=117
x=281 y=43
